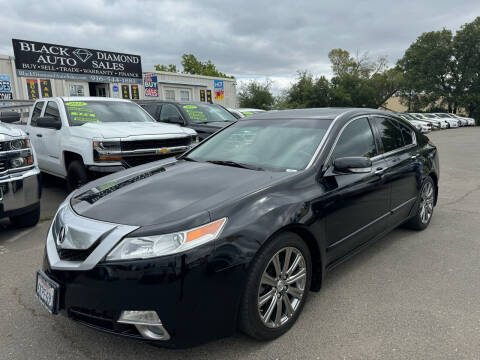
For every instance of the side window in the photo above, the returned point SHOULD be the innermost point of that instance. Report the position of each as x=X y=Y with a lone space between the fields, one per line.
x=37 y=110
x=167 y=111
x=52 y=110
x=406 y=134
x=356 y=140
x=152 y=109
x=390 y=134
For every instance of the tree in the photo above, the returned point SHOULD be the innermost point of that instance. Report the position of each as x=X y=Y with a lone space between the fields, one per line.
x=191 y=65
x=256 y=95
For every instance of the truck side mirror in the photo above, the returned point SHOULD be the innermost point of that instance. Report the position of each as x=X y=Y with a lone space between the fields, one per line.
x=49 y=122
x=9 y=116
x=175 y=119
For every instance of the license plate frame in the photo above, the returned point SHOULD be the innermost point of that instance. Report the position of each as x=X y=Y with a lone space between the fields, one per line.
x=47 y=292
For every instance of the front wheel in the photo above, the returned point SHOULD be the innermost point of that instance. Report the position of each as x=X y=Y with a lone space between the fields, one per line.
x=76 y=175
x=277 y=287
x=424 y=211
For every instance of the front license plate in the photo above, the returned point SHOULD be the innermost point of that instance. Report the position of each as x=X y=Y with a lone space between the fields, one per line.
x=47 y=292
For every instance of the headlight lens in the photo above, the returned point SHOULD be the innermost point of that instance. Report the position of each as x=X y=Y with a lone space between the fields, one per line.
x=105 y=150
x=154 y=246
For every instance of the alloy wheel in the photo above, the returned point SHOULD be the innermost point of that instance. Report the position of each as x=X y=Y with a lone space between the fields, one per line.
x=426 y=203
x=282 y=287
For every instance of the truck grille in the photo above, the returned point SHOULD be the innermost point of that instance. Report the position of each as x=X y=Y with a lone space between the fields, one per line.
x=3 y=165
x=155 y=143
x=3 y=146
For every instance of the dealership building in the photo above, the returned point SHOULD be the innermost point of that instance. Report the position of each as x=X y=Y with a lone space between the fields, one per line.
x=41 y=70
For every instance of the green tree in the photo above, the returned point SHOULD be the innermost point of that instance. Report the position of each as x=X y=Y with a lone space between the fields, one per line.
x=191 y=65
x=256 y=95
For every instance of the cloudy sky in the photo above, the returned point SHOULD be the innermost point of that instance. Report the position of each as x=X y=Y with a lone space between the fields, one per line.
x=248 y=39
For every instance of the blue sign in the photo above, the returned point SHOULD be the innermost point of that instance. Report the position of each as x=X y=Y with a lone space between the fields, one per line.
x=5 y=88
x=115 y=88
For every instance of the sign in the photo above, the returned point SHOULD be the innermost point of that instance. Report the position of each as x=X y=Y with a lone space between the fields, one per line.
x=5 y=88
x=135 y=95
x=202 y=95
x=32 y=89
x=219 y=89
x=209 y=96
x=46 y=88
x=125 y=92
x=150 y=81
x=36 y=59
x=115 y=88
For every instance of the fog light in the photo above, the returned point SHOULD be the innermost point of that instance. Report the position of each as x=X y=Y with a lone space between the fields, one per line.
x=147 y=323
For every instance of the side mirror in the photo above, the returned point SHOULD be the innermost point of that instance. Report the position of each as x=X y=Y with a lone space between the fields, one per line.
x=49 y=122
x=352 y=165
x=175 y=120
x=9 y=116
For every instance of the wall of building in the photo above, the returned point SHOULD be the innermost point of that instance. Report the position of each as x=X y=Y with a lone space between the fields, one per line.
x=170 y=85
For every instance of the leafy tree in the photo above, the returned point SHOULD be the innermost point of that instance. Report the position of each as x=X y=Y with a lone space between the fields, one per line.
x=191 y=65
x=256 y=95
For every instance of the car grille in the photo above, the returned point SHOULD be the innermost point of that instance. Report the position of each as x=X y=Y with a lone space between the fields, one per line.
x=3 y=165
x=73 y=255
x=3 y=146
x=155 y=143
x=102 y=320
x=131 y=161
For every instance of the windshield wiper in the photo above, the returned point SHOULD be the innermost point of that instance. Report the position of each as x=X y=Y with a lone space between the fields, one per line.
x=235 y=164
x=187 y=159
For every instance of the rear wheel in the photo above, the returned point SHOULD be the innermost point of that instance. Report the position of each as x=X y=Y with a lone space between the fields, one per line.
x=277 y=287
x=424 y=211
x=26 y=220
x=76 y=175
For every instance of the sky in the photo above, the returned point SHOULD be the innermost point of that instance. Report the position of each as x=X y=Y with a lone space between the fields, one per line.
x=248 y=39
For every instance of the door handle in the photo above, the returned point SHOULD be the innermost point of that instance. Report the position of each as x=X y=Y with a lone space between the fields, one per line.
x=27 y=133
x=39 y=135
x=379 y=171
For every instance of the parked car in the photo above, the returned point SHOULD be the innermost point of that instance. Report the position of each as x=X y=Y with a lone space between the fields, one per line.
x=422 y=126
x=465 y=121
x=237 y=231
x=437 y=124
x=249 y=111
x=451 y=123
x=235 y=113
x=20 y=189
x=204 y=118
x=81 y=138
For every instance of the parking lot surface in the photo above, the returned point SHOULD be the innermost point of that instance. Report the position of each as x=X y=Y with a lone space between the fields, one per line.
x=413 y=295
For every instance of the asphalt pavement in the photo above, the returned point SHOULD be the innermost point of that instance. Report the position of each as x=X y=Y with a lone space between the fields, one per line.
x=413 y=295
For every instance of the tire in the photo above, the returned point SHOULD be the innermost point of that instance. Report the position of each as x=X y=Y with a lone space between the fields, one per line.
x=76 y=175
x=26 y=220
x=275 y=292
x=421 y=219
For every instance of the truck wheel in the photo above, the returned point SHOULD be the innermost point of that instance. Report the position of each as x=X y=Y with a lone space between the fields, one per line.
x=26 y=220
x=76 y=175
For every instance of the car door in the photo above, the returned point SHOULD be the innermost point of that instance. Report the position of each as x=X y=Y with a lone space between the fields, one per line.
x=356 y=205
x=52 y=139
x=35 y=134
x=400 y=151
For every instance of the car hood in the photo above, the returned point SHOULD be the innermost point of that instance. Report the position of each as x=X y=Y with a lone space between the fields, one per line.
x=129 y=129
x=9 y=130
x=165 y=192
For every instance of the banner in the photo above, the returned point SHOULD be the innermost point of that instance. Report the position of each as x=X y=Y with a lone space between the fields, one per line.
x=135 y=94
x=202 y=95
x=125 y=92
x=46 y=87
x=150 y=81
x=209 y=96
x=5 y=88
x=219 y=89
x=36 y=59
x=32 y=89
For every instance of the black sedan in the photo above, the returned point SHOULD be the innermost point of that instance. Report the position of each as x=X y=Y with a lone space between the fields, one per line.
x=236 y=232
x=204 y=118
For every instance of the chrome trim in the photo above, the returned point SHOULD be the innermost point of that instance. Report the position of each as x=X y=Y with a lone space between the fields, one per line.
x=92 y=231
x=360 y=170
x=143 y=151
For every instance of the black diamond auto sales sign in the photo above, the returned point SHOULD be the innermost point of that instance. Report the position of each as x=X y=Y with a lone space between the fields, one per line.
x=36 y=59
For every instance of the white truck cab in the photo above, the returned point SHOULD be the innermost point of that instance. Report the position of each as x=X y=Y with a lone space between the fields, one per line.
x=80 y=138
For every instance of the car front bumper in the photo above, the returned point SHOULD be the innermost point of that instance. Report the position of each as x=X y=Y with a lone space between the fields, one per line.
x=19 y=193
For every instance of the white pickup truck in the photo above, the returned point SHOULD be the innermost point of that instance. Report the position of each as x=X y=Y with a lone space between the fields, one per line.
x=80 y=138
x=19 y=174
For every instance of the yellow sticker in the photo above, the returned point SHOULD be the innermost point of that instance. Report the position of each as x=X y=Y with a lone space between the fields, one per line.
x=76 y=103
x=189 y=107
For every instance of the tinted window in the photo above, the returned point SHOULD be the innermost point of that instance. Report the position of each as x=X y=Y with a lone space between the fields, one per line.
x=356 y=140
x=168 y=110
x=152 y=109
x=390 y=134
x=37 y=110
x=52 y=110
x=406 y=134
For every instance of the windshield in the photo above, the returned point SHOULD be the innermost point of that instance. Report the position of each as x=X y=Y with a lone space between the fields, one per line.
x=207 y=113
x=431 y=116
x=81 y=112
x=267 y=144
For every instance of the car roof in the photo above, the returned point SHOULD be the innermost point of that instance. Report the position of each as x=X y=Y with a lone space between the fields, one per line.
x=315 y=113
x=90 y=98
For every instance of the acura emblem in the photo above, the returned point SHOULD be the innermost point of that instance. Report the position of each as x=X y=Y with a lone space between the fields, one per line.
x=61 y=235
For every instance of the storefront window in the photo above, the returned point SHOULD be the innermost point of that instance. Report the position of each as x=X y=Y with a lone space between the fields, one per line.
x=184 y=95
x=77 y=90
x=170 y=95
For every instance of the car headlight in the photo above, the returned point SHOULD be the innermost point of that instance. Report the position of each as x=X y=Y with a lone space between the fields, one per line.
x=23 y=148
x=145 y=247
x=106 y=151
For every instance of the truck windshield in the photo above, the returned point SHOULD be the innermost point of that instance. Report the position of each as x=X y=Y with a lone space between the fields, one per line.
x=207 y=113
x=82 y=112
